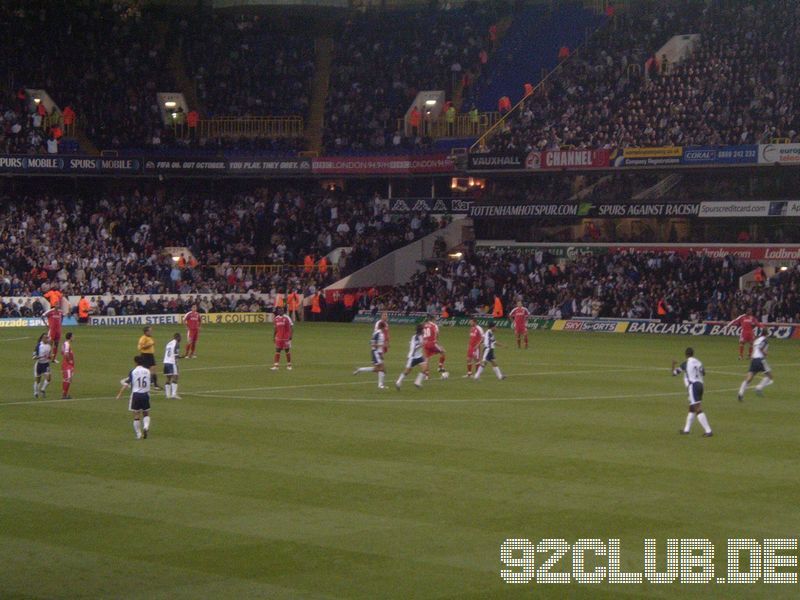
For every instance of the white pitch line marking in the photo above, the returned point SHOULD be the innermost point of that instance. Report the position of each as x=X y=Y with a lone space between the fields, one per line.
x=345 y=383
x=466 y=400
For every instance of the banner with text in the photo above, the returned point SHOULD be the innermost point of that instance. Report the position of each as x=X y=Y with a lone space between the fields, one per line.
x=585 y=209
x=448 y=206
x=175 y=319
x=750 y=209
x=648 y=157
x=382 y=165
x=720 y=155
x=33 y=322
x=782 y=154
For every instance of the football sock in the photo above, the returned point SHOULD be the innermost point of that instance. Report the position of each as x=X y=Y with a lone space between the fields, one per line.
x=64 y=387
x=519 y=342
x=277 y=358
x=701 y=418
x=289 y=358
x=469 y=368
x=364 y=369
x=526 y=340
x=35 y=388
x=381 y=378
x=497 y=372
x=741 y=350
x=168 y=390
x=689 y=421
x=441 y=363
x=419 y=379
x=45 y=383
x=742 y=388
x=147 y=423
x=478 y=372
x=155 y=380
x=137 y=427
x=174 y=389
x=400 y=379
x=764 y=383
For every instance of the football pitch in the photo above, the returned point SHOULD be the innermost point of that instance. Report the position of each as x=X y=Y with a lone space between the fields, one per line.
x=315 y=484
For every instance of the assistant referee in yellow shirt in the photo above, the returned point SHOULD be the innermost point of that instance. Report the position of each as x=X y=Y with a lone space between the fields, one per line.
x=147 y=349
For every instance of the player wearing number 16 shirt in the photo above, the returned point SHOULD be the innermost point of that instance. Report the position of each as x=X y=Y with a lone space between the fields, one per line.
x=519 y=315
x=139 y=404
x=283 y=338
x=693 y=375
x=192 y=320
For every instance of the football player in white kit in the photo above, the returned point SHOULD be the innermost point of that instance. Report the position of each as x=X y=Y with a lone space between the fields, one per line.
x=377 y=345
x=758 y=364
x=693 y=374
x=489 y=344
x=171 y=355
x=416 y=358
x=139 y=404
x=41 y=368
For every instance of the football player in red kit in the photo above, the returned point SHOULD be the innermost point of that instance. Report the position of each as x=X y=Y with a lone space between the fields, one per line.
x=67 y=366
x=192 y=320
x=519 y=315
x=53 y=318
x=283 y=338
x=748 y=324
x=430 y=340
x=474 y=348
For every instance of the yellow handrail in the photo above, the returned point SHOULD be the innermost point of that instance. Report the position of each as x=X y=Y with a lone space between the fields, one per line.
x=462 y=126
x=481 y=142
x=242 y=127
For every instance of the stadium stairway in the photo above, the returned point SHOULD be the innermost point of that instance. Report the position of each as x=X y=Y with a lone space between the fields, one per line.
x=185 y=84
x=323 y=58
x=397 y=267
x=458 y=93
x=530 y=48
x=660 y=189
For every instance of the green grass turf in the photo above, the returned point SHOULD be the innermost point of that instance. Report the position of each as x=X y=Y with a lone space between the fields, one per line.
x=313 y=483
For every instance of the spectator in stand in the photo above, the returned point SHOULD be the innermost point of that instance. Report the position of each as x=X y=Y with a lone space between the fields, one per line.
x=736 y=87
x=385 y=57
x=613 y=285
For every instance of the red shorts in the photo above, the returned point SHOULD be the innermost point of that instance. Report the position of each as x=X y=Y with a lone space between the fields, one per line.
x=192 y=334
x=747 y=338
x=432 y=348
x=520 y=330
x=474 y=353
x=55 y=335
x=66 y=374
x=283 y=345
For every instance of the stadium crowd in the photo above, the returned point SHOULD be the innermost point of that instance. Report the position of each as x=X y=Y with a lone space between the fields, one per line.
x=247 y=65
x=624 y=285
x=736 y=87
x=384 y=58
x=118 y=242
